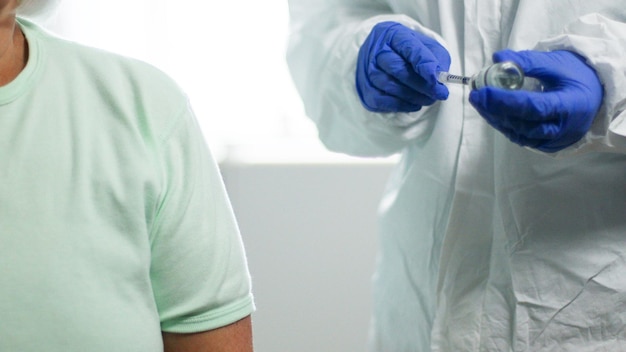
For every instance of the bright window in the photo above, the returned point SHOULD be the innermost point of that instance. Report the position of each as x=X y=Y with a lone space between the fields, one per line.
x=227 y=55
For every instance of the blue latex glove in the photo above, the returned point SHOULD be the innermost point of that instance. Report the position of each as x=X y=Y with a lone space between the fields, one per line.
x=397 y=69
x=550 y=120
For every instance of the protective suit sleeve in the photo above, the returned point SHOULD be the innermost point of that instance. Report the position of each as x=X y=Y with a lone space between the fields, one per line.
x=602 y=41
x=325 y=37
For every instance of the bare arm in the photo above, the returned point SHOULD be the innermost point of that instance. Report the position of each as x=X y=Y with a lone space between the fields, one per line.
x=236 y=337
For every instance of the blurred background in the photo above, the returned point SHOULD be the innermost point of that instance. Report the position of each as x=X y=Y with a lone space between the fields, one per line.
x=307 y=216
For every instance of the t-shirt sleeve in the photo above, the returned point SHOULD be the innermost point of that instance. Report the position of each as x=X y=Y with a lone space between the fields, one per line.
x=199 y=271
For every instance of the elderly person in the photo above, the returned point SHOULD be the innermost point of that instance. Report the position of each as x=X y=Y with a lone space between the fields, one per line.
x=116 y=233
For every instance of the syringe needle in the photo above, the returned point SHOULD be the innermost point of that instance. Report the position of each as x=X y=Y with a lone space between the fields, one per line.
x=446 y=77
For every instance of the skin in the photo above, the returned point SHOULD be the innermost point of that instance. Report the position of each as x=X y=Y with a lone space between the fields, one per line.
x=236 y=337
x=13 y=47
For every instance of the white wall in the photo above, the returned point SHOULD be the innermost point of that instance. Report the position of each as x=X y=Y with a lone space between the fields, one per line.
x=228 y=56
x=310 y=234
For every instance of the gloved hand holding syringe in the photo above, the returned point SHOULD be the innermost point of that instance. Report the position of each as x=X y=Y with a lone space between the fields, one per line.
x=507 y=75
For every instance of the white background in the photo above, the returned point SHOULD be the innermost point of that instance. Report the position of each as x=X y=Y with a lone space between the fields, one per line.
x=229 y=56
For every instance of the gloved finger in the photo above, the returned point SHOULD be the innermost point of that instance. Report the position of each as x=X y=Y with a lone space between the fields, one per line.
x=430 y=72
x=545 y=66
x=527 y=60
x=515 y=126
x=497 y=123
x=520 y=139
x=442 y=55
x=511 y=131
x=511 y=135
x=395 y=66
x=510 y=55
x=395 y=88
x=530 y=106
x=534 y=64
x=542 y=131
x=423 y=61
x=383 y=102
x=541 y=144
x=378 y=100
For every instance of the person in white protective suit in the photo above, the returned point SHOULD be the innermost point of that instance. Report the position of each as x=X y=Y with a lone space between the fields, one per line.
x=503 y=227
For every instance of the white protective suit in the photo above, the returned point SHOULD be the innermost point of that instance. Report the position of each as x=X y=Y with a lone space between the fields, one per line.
x=484 y=245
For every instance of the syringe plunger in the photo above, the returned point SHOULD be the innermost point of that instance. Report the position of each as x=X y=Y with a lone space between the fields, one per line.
x=445 y=77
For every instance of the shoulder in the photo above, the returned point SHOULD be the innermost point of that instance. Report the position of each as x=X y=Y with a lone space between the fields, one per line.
x=125 y=83
x=108 y=67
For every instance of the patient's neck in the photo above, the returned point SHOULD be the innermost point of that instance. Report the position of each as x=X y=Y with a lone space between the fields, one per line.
x=13 y=48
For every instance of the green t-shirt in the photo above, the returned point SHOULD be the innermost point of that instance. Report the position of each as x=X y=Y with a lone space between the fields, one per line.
x=114 y=221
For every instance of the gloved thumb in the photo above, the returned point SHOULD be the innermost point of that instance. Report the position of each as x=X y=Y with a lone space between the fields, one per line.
x=533 y=63
x=551 y=68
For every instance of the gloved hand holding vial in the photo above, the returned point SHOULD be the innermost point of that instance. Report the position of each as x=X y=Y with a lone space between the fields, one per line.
x=548 y=119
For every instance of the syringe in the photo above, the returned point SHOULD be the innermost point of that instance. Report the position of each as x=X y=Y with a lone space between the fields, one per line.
x=447 y=77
